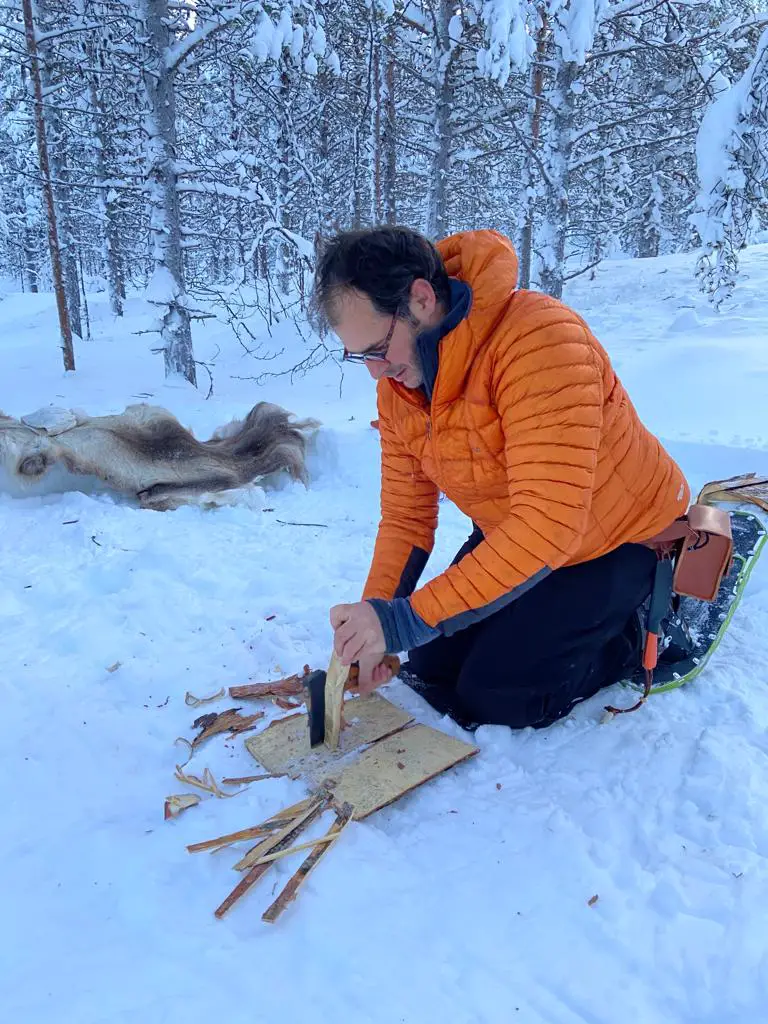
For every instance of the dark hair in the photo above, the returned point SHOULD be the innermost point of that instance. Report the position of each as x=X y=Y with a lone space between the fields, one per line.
x=382 y=263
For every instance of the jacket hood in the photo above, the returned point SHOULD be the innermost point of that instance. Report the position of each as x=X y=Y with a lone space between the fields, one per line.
x=486 y=260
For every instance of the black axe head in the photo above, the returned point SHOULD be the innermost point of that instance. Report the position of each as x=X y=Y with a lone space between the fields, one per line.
x=314 y=684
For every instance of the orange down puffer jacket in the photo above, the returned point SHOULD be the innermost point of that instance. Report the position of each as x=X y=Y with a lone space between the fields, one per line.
x=529 y=432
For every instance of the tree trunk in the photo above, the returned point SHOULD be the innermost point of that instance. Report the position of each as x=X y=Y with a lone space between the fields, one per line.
x=234 y=138
x=60 y=172
x=59 y=169
x=378 y=157
x=30 y=262
x=114 y=257
x=111 y=236
x=532 y=174
x=217 y=257
x=282 y=252
x=389 y=139
x=437 y=213
x=649 y=236
x=325 y=174
x=648 y=242
x=553 y=230
x=45 y=172
x=363 y=148
x=165 y=213
x=86 y=314
x=29 y=250
x=357 y=189
x=597 y=233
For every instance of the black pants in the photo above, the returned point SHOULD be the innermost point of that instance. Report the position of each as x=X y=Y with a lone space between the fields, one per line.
x=560 y=642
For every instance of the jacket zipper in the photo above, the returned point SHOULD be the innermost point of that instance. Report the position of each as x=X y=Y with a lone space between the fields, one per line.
x=428 y=413
x=429 y=426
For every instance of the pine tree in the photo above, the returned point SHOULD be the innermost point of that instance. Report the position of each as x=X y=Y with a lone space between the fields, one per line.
x=42 y=131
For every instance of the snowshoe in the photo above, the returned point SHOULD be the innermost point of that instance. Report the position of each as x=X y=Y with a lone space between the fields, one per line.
x=693 y=629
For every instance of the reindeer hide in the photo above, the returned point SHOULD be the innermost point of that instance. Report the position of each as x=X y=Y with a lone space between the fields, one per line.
x=147 y=454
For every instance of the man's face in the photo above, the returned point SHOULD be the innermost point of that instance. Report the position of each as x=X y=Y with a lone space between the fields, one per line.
x=391 y=341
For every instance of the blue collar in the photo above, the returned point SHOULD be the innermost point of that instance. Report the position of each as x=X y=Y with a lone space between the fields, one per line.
x=428 y=342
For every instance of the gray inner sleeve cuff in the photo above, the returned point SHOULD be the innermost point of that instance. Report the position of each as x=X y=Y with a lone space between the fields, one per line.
x=403 y=628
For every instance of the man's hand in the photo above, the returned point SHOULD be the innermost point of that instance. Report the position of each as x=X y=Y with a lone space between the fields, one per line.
x=357 y=632
x=373 y=672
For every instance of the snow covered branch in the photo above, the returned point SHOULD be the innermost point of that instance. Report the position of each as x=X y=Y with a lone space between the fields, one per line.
x=732 y=163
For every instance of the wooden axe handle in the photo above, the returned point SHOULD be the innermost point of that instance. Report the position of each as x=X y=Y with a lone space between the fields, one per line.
x=338 y=679
x=390 y=660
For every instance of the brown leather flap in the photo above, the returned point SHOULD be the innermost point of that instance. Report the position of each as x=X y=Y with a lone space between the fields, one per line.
x=708 y=519
x=702 y=543
x=706 y=557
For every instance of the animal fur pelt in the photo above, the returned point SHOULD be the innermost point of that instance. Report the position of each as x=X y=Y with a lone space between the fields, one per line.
x=146 y=453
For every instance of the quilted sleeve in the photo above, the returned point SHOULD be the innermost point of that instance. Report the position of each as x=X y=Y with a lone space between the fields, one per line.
x=548 y=391
x=409 y=503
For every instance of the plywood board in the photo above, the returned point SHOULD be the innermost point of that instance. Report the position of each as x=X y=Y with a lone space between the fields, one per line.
x=393 y=766
x=283 y=747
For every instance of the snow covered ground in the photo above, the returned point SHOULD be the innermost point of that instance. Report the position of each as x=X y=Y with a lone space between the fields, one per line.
x=467 y=901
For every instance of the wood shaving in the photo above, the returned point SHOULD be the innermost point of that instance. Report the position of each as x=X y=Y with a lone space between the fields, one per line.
x=271 y=914
x=230 y=721
x=320 y=841
x=255 y=853
x=244 y=780
x=314 y=810
x=220 y=842
x=194 y=702
x=276 y=822
x=182 y=739
x=179 y=802
x=290 y=686
x=208 y=783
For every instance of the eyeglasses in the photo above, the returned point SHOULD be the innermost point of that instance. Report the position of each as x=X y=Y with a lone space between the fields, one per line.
x=377 y=354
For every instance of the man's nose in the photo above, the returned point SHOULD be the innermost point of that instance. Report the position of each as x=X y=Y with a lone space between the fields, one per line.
x=377 y=368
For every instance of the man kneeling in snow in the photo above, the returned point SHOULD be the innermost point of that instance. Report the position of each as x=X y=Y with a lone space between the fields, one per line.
x=502 y=399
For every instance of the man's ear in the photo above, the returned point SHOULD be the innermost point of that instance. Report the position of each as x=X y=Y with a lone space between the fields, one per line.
x=423 y=298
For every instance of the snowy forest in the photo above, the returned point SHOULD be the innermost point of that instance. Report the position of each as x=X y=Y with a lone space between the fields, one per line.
x=199 y=150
